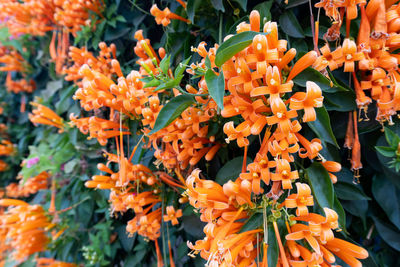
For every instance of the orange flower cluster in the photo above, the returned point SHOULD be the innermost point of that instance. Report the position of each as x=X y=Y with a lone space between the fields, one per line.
x=375 y=76
x=36 y=17
x=43 y=115
x=24 y=227
x=29 y=187
x=14 y=62
x=80 y=57
x=73 y=14
x=260 y=93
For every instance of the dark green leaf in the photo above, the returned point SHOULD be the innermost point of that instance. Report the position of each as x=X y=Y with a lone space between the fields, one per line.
x=242 y=3
x=216 y=87
x=321 y=185
x=290 y=25
x=340 y=101
x=322 y=126
x=387 y=196
x=337 y=206
x=166 y=85
x=231 y=170
x=265 y=10
x=273 y=248
x=386 y=151
x=313 y=75
x=388 y=233
x=357 y=208
x=254 y=222
x=126 y=241
x=233 y=45
x=191 y=7
x=218 y=5
x=348 y=191
x=171 y=111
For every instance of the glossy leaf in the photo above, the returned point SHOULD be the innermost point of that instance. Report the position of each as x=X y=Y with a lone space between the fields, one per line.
x=348 y=191
x=191 y=7
x=321 y=185
x=171 y=111
x=337 y=206
x=386 y=151
x=311 y=74
x=265 y=10
x=233 y=45
x=181 y=68
x=290 y=25
x=322 y=126
x=216 y=87
x=218 y=5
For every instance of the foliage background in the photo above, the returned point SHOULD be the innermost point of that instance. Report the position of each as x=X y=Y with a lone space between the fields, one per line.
x=93 y=238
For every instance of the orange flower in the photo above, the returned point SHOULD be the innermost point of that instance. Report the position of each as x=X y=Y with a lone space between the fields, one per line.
x=333 y=59
x=350 y=55
x=172 y=215
x=284 y=173
x=239 y=133
x=301 y=200
x=308 y=101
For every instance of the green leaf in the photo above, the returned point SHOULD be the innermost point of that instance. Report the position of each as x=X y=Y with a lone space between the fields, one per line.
x=340 y=101
x=388 y=197
x=348 y=191
x=337 y=206
x=311 y=74
x=386 y=151
x=164 y=64
x=126 y=241
x=218 y=5
x=290 y=25
x=191 y=7
x=233 y=45
x=273 y=248
x=388 y=233
x=231 y=170
x=171 y=111
x=358 y=208
x=166 y=85
x=392 y=138
x=265 y=10
x=216 y=87
x=322 y=126
x=321 y=185
x=254 y=222
x=152 y=83
x=181 y=68
x=242 y=3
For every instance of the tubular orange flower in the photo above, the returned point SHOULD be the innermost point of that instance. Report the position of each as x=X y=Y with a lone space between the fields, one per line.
x=164 y=16
x=44 y=115
x=350 y=55
x=284 y=173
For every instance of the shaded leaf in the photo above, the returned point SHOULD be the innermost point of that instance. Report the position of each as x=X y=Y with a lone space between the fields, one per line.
x=242 y=3
x=387 y=196
x=348 y=191
x=388 y=233
x=218 y=5
x=321 y=185
x=273 y=248
x=322 y=126
x=191 y=7
x=386 y=151
x=290 y=25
